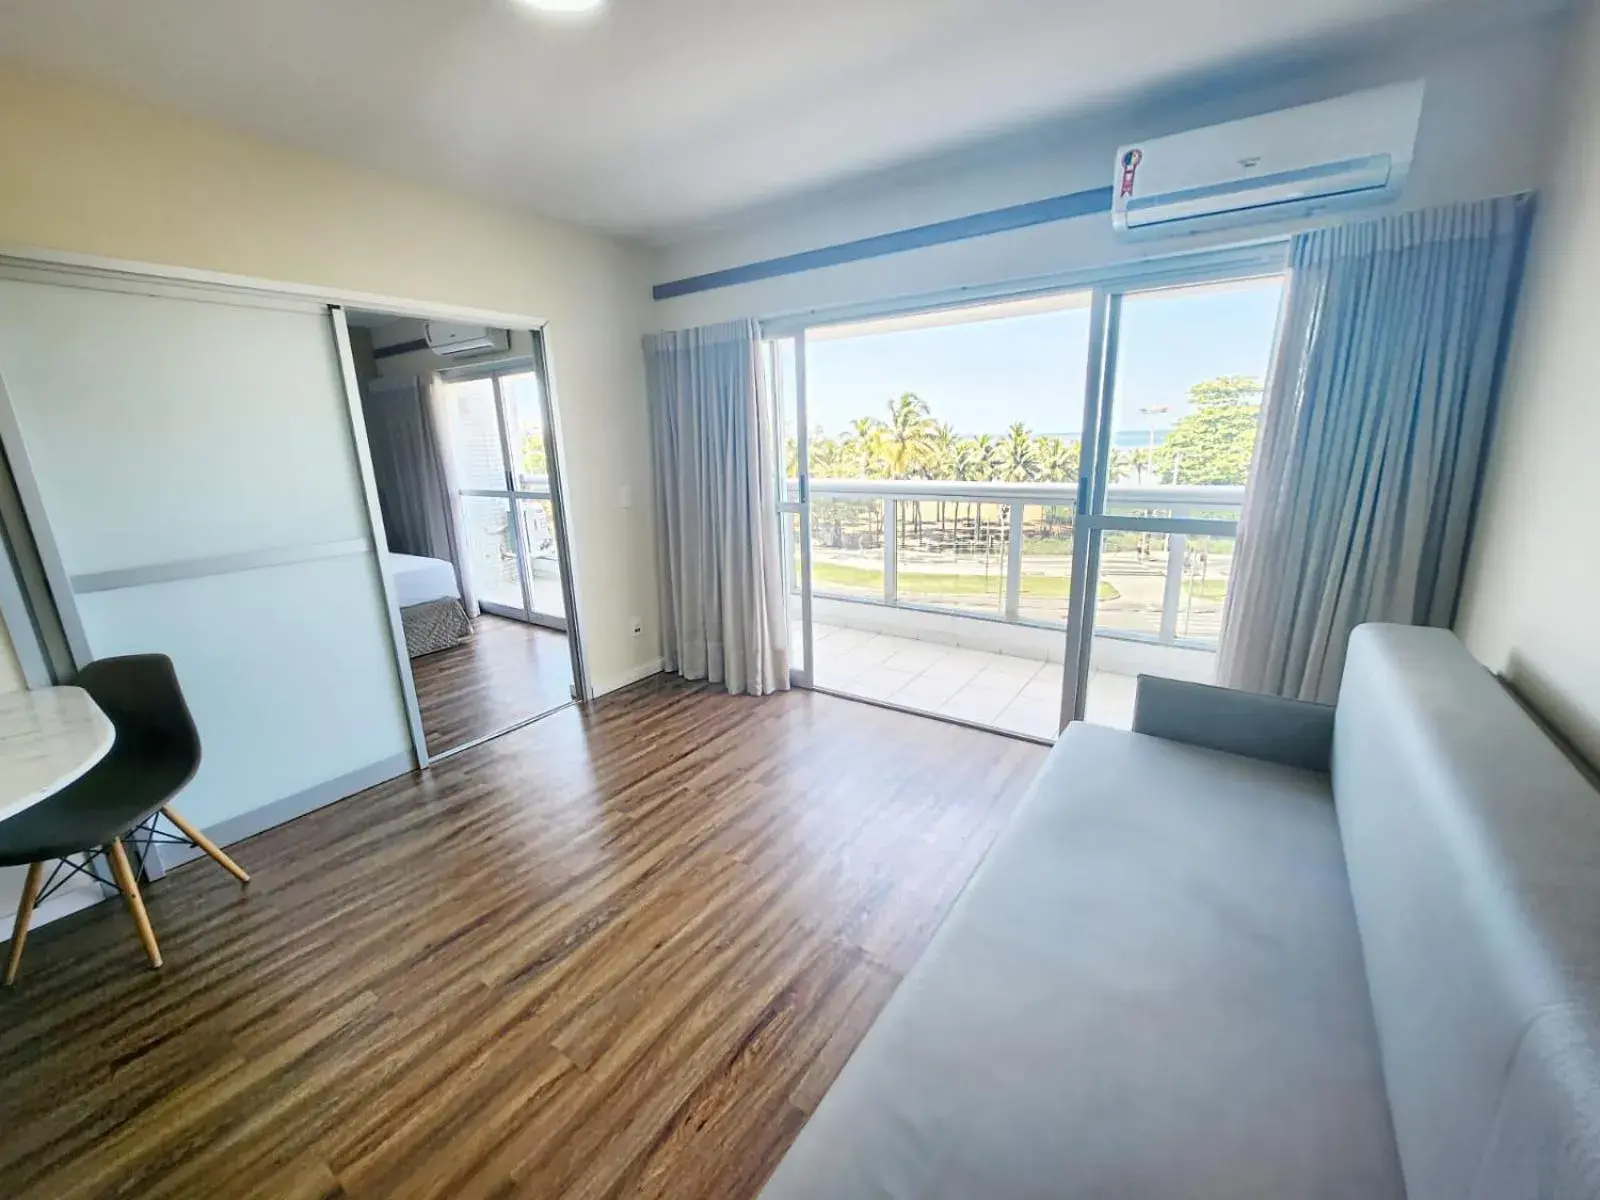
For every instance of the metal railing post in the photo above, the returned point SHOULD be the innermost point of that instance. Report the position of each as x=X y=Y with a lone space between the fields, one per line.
x=1013 y=596
x=891 y=511
x=1172 y=593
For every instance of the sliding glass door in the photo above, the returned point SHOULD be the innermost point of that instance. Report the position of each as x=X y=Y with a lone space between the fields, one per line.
x=942 y=485
x=1002 y=513
x=497 y=442
x=1174 y=424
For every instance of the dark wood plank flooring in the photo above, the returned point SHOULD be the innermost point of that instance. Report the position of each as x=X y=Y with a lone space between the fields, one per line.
x=621 y=952
x=508 y=671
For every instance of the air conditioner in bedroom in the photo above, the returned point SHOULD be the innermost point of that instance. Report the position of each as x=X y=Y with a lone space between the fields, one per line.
x=1336 y=154
x=444 y=338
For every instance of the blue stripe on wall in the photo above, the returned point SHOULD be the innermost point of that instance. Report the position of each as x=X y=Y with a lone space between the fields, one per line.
x=999 y=220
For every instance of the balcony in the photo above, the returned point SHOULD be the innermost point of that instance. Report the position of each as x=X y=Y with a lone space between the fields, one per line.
x=952 y=598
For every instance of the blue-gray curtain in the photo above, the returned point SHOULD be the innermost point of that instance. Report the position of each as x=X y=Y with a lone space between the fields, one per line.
x=407 y=432
x=723 y=617
x=1375 y=428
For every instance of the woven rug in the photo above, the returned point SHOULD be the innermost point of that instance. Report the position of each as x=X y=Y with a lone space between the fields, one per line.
x=435 y=625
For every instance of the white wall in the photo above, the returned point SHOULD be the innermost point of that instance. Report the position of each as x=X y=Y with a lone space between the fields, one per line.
x=1484 y=133
x=93 y=173
x=1532 y=604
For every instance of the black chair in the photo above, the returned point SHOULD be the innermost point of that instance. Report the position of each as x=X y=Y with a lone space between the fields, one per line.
x=156 y=753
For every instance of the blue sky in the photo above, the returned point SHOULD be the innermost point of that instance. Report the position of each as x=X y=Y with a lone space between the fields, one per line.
x=983 y=375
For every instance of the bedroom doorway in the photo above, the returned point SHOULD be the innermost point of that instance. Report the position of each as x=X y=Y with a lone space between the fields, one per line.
x=458 y=422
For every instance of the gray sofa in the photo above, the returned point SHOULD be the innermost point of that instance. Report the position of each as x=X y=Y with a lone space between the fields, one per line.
x=1256 y=949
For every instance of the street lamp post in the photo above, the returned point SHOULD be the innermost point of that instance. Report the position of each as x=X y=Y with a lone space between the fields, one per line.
x=1151 y=412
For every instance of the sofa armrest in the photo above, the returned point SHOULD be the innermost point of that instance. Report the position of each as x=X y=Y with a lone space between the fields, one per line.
x=1294 y=733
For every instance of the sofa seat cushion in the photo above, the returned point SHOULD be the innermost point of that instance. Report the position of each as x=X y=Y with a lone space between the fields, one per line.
x=1152 y=987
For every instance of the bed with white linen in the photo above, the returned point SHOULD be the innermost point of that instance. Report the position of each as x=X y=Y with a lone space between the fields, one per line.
x=430 y=602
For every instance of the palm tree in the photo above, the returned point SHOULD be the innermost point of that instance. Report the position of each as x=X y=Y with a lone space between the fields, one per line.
x=1058 y=459
x=969 y=464
x=988 y=456
x=940 y=462
x=1020 y=457
x=1125 y=463
x=977 y=461
x=829 y=459
x=864 y=442
x=1059 y=462
x=908 y=437
x=907 y=440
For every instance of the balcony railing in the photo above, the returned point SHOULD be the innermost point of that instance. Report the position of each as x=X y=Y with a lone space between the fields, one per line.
x=1003 y=552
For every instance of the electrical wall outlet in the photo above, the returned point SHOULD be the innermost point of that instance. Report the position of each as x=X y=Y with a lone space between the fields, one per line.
x=638 y=626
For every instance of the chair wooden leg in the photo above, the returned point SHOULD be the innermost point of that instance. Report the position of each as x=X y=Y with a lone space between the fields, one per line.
x=206 y=844
x=19 y=931
x=130 y=892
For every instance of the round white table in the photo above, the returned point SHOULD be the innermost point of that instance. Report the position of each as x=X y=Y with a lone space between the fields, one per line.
x=48 y=738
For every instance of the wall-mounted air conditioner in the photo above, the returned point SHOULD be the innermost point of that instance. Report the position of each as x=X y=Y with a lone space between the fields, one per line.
x=1340 y=153
x=448 y=339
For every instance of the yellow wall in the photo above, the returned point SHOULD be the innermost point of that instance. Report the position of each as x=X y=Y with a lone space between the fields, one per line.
x=92 y=173
x=1533 y=587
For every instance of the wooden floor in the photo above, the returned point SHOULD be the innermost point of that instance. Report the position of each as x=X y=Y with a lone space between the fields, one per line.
x=507 y=672
x=620 y=952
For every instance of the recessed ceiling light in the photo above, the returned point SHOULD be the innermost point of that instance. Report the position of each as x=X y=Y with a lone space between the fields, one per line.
x=565 y=7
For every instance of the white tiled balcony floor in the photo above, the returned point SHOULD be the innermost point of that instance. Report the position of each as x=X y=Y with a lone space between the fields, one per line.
x=1019 y=695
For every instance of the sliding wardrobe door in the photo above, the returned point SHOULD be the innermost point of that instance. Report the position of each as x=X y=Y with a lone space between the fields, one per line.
x=190 y=474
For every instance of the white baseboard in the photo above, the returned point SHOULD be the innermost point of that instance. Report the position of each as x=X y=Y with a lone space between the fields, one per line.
x=280 y=812
x=631 y=676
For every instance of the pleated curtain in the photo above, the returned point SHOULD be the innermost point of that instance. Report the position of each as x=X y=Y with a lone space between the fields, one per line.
x=719 y=544
x=1375 y=428
x=408 y=433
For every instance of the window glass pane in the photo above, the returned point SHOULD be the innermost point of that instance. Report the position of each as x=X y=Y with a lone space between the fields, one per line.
x=1191 y=369
x=935 y=416
x=1207 y=575
x=1191 y=365
x=1046 y=563
x=992 y=393
x=544 y=563
x=475 y=436
x=793 y=574
x=794 y=558
x=778 y=360
x=952 y=554
x=847 y=547
x=1157 y=611
x=491 y=553
x=1133 y=572
x=525 y=423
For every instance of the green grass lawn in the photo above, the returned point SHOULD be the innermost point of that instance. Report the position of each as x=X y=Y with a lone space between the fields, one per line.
x=1206 y=589
x=940 y=584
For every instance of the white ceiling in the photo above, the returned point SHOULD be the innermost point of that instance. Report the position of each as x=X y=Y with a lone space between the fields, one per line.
x=658 y=115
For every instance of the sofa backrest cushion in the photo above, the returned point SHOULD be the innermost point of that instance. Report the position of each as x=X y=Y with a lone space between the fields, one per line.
x=1473 y=848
